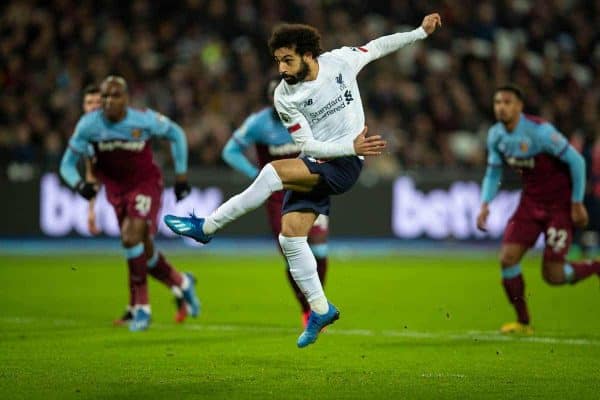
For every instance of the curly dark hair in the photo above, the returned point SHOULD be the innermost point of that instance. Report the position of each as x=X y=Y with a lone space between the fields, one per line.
x=303 y=38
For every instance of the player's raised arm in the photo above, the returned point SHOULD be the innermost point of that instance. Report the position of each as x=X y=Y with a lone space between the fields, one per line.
x=358 y=57
x=233 y=152
x=491 y=180
x=164 y=127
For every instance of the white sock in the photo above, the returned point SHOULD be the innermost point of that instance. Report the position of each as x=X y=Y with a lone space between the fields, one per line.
x=303 y=268
x=145 y=307
x=319 y=305
x=257 y=193
x=176 y=290
x=185 y=282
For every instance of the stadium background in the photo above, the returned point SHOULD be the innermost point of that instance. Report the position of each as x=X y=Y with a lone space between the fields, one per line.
x=205 y=64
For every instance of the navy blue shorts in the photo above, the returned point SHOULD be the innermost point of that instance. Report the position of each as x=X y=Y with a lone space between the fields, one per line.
x=336 y=177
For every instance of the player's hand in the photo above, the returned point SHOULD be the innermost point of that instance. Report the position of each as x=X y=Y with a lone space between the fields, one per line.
x=87 y=190
x=368 y=146
x=579 y=215
x=182 y=189
x=92 y=227
x=430 y=22
x=484 y=211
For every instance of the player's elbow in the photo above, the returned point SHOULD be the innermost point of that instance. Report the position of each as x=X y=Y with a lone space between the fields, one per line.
x=227 y=153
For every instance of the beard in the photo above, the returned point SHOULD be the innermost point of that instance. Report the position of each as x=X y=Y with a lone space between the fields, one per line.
x=299 y=76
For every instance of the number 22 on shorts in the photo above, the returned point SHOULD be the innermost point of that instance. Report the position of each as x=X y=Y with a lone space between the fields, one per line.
x=556 y=238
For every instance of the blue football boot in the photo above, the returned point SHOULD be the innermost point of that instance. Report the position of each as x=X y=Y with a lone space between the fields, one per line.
x=189 y=296
x=316 y=322
x=140 y=321
x=188 y=226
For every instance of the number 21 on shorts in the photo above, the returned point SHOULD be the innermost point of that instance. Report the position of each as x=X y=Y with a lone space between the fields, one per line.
x=142 y=204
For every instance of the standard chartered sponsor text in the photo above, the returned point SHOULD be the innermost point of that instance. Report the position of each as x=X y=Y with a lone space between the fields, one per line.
x=330 y=108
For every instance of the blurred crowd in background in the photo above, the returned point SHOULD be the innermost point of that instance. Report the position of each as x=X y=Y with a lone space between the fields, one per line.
x=205 y=64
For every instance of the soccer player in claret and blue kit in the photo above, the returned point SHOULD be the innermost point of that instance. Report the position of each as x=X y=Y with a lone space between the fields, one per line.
x=272 y=141
x=553 y=177
x=124 y=164
x=319 y=103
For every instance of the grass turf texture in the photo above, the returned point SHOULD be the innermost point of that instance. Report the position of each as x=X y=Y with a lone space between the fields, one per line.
x=411 y=327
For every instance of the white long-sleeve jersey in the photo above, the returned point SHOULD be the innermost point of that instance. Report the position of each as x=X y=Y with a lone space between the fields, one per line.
x=325 y=115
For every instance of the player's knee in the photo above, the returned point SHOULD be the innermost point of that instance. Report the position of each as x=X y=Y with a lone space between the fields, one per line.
x=277 y=166
x=130 y=239
x=290 y=244
x=552 y=278
x=553 y=273
x=508 y=258
x=292 y=227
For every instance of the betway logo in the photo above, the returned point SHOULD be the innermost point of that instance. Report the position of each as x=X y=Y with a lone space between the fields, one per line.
x=62 y=211
x=521 y=162
x=121 y=145
x=441 y=214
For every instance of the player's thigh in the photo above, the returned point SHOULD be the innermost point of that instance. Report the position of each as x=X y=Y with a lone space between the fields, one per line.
x=320 y=230
x=297 y=223
x=295 y=175
x=521 y=233
x=558 y=236
x=143 y=202
x=511 y=254
x=133 y=231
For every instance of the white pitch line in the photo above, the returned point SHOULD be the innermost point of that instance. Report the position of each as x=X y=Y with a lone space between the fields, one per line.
x=483 y=336
x=439 y=375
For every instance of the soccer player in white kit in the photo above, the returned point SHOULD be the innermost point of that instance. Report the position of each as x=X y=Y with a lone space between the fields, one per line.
x=319 y=103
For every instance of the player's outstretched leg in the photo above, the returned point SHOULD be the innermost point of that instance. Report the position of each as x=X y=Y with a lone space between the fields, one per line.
x=303 y=268
x=202 y=229
x=181 y=284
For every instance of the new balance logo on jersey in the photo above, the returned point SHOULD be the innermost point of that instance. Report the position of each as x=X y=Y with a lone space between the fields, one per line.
x=348 y=96
x=307 y=103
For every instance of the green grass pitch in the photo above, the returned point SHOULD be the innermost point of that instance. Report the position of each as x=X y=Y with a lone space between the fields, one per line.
x=411 y=327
